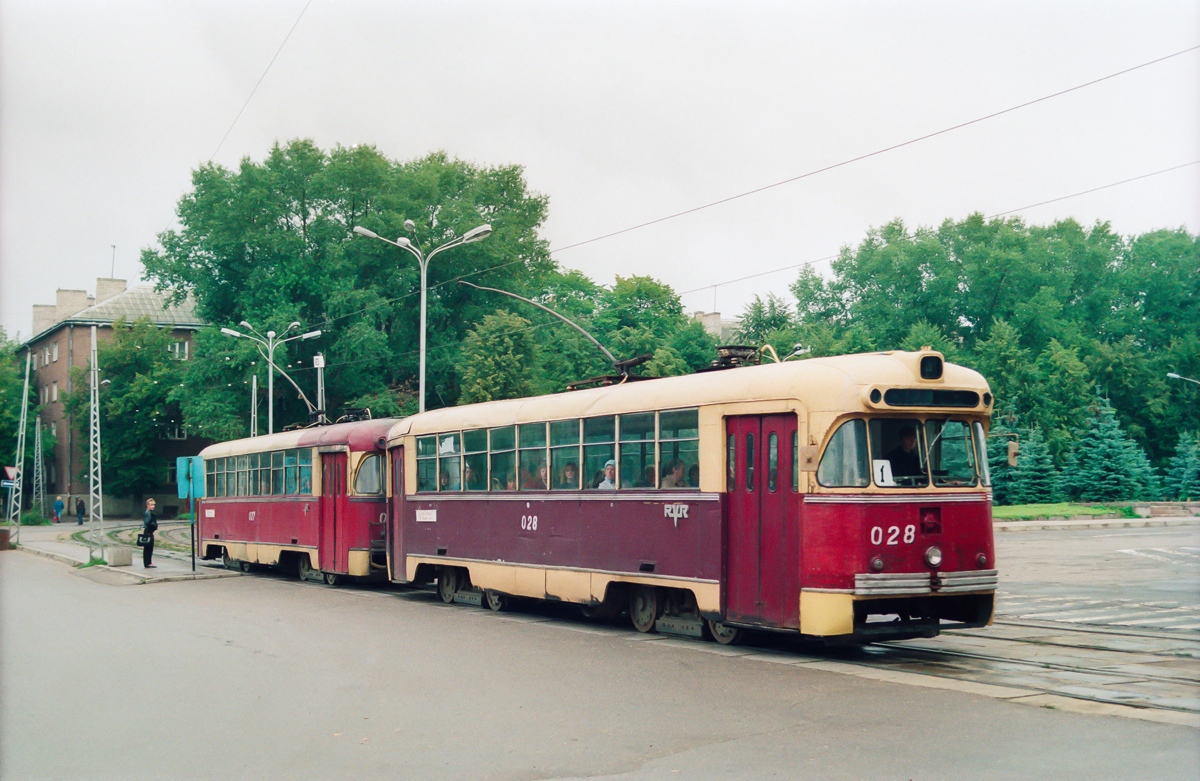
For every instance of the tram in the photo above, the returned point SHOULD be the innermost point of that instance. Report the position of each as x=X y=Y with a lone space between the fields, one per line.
x=844 y=498
x=312 y=502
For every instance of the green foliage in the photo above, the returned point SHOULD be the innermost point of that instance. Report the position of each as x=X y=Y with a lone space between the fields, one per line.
x=1105 y=464
x=1182 y=479
x=761 y=318
x=496 y=357
x=136 y=405
x=997 y=455
x=34 y=518
x=1034 y=480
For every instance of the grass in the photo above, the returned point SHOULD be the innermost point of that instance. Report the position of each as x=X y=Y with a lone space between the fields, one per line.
x=91 y=563
x=1059 y=510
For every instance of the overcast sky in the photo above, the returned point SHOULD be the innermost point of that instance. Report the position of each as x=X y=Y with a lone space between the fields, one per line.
x=620 y=112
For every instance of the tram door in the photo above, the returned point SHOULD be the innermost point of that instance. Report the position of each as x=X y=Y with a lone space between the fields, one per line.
x=763 y=544
x=333 y=512
x=396 y=561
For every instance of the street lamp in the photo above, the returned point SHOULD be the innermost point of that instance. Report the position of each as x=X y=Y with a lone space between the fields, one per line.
x=473 y=235
x=1175 y=376
x=270 y=342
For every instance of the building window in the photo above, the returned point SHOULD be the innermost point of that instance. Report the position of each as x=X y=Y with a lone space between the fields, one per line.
x=54 y=391
x=173 y=431
x=45 y=356
x=171 y=473
x=178 y=350
x=54 y=351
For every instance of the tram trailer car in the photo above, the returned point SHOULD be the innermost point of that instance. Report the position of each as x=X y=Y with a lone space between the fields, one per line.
x=844 y=498
x=311 y=501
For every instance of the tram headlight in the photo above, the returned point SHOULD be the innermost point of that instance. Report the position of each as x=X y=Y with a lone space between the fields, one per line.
x=933 y=556
x=876 y=564
x=981 y=559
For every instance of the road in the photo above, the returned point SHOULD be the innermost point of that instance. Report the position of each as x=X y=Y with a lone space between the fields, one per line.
x=266 y=677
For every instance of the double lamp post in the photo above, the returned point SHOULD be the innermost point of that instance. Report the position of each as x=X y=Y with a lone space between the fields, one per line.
x=270 y=342
x=473 y=235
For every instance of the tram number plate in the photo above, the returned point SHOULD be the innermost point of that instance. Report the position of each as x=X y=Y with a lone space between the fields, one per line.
x=893 y=535
x=528 y=523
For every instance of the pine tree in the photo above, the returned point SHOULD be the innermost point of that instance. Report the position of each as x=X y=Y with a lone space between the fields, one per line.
x=1035 y=480
x=997 y=455
x=1106 y=465
x=1183 y=470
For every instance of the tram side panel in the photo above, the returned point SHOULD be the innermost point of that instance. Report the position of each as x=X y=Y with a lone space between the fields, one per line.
x=570 y=548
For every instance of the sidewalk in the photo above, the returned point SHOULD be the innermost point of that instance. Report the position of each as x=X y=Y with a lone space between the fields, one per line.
x=55 y=542
x=1057 y=524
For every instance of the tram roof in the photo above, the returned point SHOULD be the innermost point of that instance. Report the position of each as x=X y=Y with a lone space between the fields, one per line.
x=357 y=435
x=821 y=384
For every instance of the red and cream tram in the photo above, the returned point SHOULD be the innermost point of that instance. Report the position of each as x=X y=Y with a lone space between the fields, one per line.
x=311 y=501
x=842 y=497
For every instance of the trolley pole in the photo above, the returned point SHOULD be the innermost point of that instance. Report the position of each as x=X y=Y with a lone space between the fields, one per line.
x=319 y=363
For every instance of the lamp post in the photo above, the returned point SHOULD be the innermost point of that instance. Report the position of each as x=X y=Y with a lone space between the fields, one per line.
x=473 y=235
x=270 y=342
x=1175 y=376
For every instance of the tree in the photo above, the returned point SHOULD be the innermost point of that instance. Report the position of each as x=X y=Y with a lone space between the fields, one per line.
x=136 y=405
x=997 y=455
x=1106 y=465
x=761 y=318
x=496 y=359
x=1182 y=479
x=1034 y=480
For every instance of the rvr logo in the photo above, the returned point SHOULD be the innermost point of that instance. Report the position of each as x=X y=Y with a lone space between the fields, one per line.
x=675 y=512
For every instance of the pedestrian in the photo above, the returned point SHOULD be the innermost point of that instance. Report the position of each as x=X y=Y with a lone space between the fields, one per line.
x=149 y=526
x=59 y=506
x=79 y=508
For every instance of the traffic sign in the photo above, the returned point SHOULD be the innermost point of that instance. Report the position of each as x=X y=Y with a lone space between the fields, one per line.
x=8 y=483
x=10 y=472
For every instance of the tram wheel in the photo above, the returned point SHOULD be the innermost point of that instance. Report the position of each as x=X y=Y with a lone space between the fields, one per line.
x=305 y=568
x=494 y=600
x=228 y=562
x=244 y=565
x=643 y=608
x=332 y=578
x=447 y=584
x=723 y=634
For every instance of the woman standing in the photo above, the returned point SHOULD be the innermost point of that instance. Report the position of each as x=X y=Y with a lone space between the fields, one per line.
x=149 y=526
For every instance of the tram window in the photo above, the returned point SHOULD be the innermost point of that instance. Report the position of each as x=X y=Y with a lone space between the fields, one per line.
x=898 y=457
x=503 y=460
x=844 y=464
x=264 y=474
x=795 y=462
x=475 y=467
x=449 y=463
x=426 y=463
x=951 y=453
x=637 y=467
x=210 y=478
x=730 y=461
x=679 y=446
x=241 y=475
x=981 y=459
x=277 y=473
x=252 y=476
x=291 y=472
x=535 y=472
x=749 y=462
x=219 y=478
x=773 y=462
x=369 y=480
x=475 y=472
x=598 y=450
x=564 y=455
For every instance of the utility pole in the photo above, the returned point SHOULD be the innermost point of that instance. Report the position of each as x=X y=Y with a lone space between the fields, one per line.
x=319 y=363
x=254 y=404
x=95 y=483
x=15 y=497
x=39 y=470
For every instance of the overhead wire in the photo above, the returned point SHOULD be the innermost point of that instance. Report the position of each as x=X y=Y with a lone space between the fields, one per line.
x=801 y=264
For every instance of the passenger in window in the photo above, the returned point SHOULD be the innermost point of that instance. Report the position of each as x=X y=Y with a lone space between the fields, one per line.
x=536 y=482
x=694 y=476
x=472 y=479
x=674 y=474
x=609 y=483
x=570 y=477
x=905 y=460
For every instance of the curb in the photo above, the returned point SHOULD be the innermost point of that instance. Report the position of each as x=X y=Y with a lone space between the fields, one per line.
x=1046 y=524
x=142 y=579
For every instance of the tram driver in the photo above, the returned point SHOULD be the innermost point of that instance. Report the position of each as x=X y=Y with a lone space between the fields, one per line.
x=904 y=458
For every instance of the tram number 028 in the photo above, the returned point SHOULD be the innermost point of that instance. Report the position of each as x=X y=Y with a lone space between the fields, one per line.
x=893 y=535
x=528 y=523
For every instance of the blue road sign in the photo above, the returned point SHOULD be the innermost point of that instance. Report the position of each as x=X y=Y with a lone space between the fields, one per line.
x=189 y=476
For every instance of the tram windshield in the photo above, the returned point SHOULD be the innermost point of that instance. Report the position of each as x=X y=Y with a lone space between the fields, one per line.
x=907 y=453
